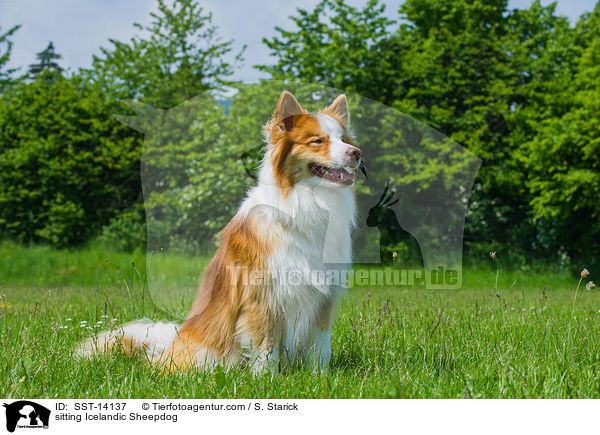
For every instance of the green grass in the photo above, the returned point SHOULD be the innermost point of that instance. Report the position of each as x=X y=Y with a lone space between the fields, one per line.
x=387 y=342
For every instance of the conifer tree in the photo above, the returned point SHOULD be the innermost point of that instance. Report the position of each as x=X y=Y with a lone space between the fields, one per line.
x=47 y=61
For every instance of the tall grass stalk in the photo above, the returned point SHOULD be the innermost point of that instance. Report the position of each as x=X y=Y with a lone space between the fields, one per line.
x=575 y=297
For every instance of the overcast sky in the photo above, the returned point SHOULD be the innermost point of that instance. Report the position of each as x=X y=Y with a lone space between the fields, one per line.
x=79 y=27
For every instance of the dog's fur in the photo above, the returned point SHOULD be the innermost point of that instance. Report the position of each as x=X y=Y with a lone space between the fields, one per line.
x=297 y=220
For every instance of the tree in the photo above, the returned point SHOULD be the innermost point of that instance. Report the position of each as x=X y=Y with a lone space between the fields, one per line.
x=66 y=164
x=5 y=49
x=72 y=171
x=563 y=163
x=181 y=57
x=47 y=61
x=482 y=74
x=339 y=46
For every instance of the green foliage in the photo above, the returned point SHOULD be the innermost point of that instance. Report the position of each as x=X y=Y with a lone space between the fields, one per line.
x=68 y=167
x=192 y=177
x=66 y=164
x=5 y=49
x=125 y=232
x=512 y=86
x=345 y=51
x=564 y=163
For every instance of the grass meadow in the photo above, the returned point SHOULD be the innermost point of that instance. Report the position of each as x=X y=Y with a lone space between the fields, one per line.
x=527 y=338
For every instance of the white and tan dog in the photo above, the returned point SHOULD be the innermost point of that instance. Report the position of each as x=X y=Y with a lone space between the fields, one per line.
x=297 y=220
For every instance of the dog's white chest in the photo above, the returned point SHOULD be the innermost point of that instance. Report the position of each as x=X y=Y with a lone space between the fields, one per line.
x=308 y=267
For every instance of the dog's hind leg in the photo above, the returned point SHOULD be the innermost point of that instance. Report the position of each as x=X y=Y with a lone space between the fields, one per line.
x=187 y=352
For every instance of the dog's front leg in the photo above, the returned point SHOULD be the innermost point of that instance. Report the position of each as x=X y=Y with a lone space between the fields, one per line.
x=318 y=354
x=264 y=360
x=264 y=355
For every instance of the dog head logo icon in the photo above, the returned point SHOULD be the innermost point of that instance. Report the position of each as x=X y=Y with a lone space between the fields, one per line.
x=26 y=414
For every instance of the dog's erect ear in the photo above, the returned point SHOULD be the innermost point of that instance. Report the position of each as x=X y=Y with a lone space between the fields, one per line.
x=339 y=109
x=287 y=108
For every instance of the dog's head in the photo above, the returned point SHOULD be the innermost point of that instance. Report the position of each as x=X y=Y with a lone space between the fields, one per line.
x=308 y=147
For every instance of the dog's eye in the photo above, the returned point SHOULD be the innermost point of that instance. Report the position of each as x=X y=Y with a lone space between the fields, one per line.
x=316 y=140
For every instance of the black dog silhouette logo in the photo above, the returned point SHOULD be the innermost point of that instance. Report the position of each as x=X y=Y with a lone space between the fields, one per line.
x=26 y=414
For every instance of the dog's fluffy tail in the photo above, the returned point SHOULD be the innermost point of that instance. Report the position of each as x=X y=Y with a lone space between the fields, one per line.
x=153 y=338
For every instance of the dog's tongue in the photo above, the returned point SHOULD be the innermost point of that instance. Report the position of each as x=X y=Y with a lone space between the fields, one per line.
x=342 y=174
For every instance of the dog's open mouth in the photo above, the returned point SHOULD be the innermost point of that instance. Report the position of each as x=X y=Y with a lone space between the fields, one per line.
x=335 y=175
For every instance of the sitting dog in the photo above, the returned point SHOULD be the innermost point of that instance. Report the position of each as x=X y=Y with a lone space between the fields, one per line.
x=259 y=302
